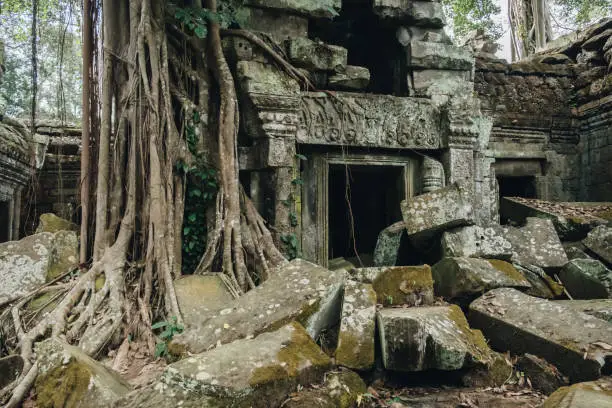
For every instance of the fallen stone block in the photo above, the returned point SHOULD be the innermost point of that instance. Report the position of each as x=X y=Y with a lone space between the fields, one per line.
x=493 y=374
x=340 y=264
x=430 y=82
x=67 y=377
x=535 y=243
x=313 y=55
x=542 y=375
x=429 y=214
x=423 y=338
x=575 y=250
x=399 y=285
x=316 y=8
x=341 y=389
x=599 y=241
x=199 y=296
x=10 y=369
x=465 y=277
x=256 y=373
x=52 y=223
x=434 y=55
x=27 y=264
x=298 y=290
x=600 y=308
x=387 y=248
x=587 y=279
x=352 y=79
x=357 y=328
x=477 y=242
x=519 y=323
x=542 y=285
x=418 y=13
x=596 y=394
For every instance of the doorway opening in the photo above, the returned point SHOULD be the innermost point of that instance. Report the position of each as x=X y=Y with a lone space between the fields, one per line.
x=523 y=186
x=363 y=200
x=4 y=226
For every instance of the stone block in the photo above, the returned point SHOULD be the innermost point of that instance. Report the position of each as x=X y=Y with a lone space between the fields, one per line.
x=597 y=42
x=519 y=323
x=259 y=78
x=423 y=338
x=68 y=377
x=599 y=241
x=465 y=277
x=52 y=223
x=298 y=290
x=535 y=243
x=352 y=79
x=199 y=296
x=256 y=373
x=438 y=82
x=342 y=389
x=280 y=24
x=418 y=13
x=433 y=213
x=27 y=264
x=388 y=244
x=399 y=285
x=428 y=55
x=595 y=394
x=587 y=279
x=476 y=241
x=313 y=55
x=600 y=308
x=543 y=375
x=357 y=328
x=308 y=8
x=542 y=285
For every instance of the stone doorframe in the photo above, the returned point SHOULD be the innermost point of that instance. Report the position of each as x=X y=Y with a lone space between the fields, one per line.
x=315 y=190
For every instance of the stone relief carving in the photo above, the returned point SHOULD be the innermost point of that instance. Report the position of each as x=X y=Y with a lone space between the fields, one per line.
x=368 y=120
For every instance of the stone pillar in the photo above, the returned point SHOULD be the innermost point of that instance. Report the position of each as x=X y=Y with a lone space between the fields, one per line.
x=459 y=165
x=17 y=213
x=9 y=224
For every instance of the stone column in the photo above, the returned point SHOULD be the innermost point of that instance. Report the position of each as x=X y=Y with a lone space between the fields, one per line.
x=16 y=213
x=9 y=224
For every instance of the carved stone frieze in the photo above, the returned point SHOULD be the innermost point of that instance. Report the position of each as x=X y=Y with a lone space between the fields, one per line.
x=368 y=120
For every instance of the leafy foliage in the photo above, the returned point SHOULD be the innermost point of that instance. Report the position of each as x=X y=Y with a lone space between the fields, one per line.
x=197 y=19
x=170 y=328
x=468 y=15
x=201 y=190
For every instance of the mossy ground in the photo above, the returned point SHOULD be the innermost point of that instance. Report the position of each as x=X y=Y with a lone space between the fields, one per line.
x=63 y=386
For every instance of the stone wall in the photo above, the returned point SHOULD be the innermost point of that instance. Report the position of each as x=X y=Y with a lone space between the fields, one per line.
x=551 y=115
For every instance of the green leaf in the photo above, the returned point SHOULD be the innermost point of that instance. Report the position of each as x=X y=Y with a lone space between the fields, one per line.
x=159 y=325
x=167 y=334
x=192 y=217
x=297 y=181
x=186 y=230
x=301 y=156
x=200 y=31
x=161 y=349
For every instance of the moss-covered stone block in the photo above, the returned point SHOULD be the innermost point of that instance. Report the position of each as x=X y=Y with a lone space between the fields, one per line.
x=69 y=378
x=465 y=277
x=399 y=285
x=423 y=338
x=316 y=55
x=341 y=389
x=256 y=373
x=595 y=394
x=357 y=328
x=52 y=223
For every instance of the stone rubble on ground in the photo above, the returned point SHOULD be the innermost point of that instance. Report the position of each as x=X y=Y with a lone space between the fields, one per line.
x=599 y=241
x=399 y=285
x=587 y=279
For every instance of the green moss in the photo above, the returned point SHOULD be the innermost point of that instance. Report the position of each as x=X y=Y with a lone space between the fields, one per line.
x=508 y=270
x=354 y=353
x=605 y=214
x=63 y=386
x=52 y=223
x=351 y=387
x=41 y=301
x=393 y=284
x=291 y=359
x=100 y=281
x=474 y=338
x=177 y=351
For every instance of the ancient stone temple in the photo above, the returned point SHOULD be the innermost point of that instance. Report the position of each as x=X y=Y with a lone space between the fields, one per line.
x=394 y=114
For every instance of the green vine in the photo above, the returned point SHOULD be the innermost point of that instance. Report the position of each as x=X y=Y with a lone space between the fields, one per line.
x=200 y=192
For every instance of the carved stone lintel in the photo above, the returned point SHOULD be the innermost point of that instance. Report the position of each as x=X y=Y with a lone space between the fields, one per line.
x=369 y=120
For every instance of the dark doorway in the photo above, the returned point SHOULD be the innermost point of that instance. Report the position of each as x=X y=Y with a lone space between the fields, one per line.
x=517 y=187
x=4 y=221
x=374 y=194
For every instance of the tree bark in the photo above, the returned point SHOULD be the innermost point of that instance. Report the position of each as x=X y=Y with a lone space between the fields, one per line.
x=85 y=126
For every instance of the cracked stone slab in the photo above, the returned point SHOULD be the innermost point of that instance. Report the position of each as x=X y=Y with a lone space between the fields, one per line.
x=587 y=279
x=519 y=323
x=599 y=240
x=298 y=290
